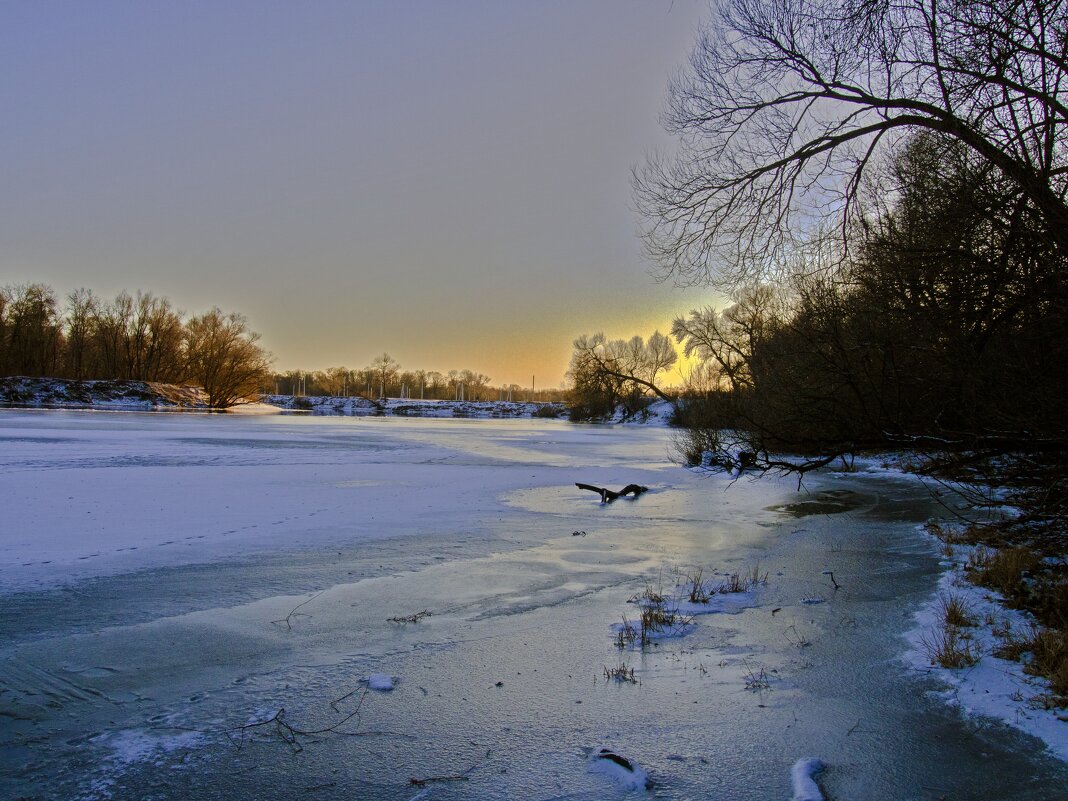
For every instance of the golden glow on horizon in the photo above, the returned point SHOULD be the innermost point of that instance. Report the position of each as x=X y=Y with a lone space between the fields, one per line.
x=352 y=178
x=513 y=357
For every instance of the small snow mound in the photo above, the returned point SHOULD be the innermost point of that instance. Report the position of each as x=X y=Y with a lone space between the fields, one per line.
x=619 y=769
x=131 y=746
x=380 y=681
x=805 y=788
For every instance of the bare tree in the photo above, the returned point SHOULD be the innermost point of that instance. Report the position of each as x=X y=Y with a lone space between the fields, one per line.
x=334 y=381
x=660 y=355
x=157 y=347
x=112 y=334
x=222 y=356
x=788 y=103
x=435 y=384
x=32 y=334
x=611 y=370
x=385 y=369
x=724 y=341
x=138 y=337
x=82 y=308
x=474 y=384
x=5 y=304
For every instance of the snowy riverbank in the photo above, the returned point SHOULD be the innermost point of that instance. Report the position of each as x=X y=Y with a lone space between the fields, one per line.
x=358 y=406
x=141 y=396
x=990 y=687
x=62 y=393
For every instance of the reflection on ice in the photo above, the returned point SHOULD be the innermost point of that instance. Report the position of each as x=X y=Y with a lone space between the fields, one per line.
x=828 y=502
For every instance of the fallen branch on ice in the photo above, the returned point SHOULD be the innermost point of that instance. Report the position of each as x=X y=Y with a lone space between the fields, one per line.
x=607 y=495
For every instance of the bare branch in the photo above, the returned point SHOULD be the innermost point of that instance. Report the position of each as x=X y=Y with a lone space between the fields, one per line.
x=787 y=106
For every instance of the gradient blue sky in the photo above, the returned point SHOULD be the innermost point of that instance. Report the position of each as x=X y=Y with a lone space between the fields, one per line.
x=447 y=181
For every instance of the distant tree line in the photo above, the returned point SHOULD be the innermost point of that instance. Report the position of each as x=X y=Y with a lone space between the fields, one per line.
x=143 y=337
x=384 y=377
x=132 y=337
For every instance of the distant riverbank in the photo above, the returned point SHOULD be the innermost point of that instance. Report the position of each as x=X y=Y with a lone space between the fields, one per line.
x=116 y=395
x=407 y=407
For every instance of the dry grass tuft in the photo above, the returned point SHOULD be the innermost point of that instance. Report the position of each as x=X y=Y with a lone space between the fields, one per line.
x=1051 y=601
x=1006 y=570
x=621 y=673
x=414 y=618
x=756 y=578
x=657 y=619
x=956 y=612
x=627 y=634
x=756 y=679
x=743 y=582
x=698 y=592
x=949 y=648
x=978 y=559
x=950 y=534
x=794 y=636
x=1049 y=658
x=649 y=595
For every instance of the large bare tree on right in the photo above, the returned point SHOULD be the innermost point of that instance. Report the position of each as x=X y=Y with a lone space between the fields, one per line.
x=788 y=104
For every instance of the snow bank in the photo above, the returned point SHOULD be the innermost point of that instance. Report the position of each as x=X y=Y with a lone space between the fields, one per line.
x=406 y=407
x=380 y=681
x=805 y=787
x=64 y=393
x=657 y=413
x=619 y=769
x=993 y=687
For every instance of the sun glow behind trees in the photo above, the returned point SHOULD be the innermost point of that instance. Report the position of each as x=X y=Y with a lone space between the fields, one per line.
x=881 y=189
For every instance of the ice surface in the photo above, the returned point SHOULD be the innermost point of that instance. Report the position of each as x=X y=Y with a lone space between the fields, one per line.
x=234 y=580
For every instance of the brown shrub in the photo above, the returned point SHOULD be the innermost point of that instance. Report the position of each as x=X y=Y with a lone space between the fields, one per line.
x=1049 y=658
x=1005 y=570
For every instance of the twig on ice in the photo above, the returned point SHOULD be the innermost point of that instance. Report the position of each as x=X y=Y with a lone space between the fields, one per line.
x=288 y=619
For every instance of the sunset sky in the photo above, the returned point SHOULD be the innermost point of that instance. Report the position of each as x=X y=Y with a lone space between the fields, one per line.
x=445 y=181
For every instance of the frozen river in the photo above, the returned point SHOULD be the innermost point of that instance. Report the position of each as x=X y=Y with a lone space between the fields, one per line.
x=192 y=606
